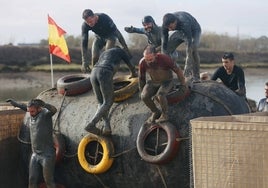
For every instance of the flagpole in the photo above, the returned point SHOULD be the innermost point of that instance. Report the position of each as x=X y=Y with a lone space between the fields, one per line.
x=51 y=68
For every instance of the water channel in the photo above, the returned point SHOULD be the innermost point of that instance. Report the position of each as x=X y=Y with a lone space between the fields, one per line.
x=24 y=86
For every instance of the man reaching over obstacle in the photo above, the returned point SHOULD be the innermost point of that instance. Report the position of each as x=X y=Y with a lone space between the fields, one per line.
x=102 y=83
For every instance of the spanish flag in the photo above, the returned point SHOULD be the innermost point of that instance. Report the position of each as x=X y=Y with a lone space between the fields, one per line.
x=57 y=43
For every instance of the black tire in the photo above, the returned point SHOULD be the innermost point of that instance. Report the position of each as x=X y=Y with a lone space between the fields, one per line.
x=178 y=94
x=74 y=84
x=166 y=154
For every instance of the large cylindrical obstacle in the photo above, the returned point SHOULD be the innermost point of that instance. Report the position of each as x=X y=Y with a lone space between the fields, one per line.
x=128 y=168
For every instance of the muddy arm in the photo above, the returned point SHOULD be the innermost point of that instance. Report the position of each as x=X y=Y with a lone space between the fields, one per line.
x=51 y=108
x=16 y=104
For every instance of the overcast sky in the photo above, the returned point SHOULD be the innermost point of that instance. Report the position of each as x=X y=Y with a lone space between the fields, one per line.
x=25 y=21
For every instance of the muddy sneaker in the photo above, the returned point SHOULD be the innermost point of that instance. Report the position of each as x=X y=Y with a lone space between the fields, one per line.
x=92 y=129
x=163 y=118
x=153 y=117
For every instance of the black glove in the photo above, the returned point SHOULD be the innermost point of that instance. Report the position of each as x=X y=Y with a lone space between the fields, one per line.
x=12 y=102
x=129 y=29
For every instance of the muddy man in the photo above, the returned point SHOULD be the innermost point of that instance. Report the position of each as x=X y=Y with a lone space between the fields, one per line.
x=102 y=83
x=159 y=67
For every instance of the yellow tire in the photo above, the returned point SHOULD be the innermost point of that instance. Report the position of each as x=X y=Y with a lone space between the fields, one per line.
x=101 y=149
x=124 y=87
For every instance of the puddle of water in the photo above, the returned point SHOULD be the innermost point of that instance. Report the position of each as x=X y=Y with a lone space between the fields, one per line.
x=21 y=94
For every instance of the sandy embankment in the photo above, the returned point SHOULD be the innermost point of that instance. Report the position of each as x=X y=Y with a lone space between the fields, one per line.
x=29 y=79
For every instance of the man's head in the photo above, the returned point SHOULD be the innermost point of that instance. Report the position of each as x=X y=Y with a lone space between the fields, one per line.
x=228 y=62
x=169 y=22
x=149 y=53
x=89 y=17
x=34 y=106
x=266 y=90
x=148 y=23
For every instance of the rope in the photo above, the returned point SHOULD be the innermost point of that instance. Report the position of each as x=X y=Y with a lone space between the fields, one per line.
x=123 y=152
x=65 y=91
x=70 y=155
x=215 y=99
x=162 y=177
x=20 y=140
x=180 y=139
x=100 y=181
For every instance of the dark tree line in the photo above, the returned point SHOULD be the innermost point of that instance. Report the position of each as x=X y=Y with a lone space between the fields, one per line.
x=209 y=41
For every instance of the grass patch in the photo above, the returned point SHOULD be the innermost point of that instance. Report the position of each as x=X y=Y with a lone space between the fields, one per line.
x=243 y=65
x=58 y=67
x=77 y=67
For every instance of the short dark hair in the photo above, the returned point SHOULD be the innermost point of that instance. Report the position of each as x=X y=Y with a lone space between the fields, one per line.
x=148 y=19
x=168 y=19
x=228 y=55
x=36 y=103
x=87 y=13
x=150 y=49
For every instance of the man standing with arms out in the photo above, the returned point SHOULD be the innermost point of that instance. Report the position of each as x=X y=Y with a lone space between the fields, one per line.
x=187 y=30
x=106 y=34
x=231 y=75
x=159 y=67
x=41 y=134
x=150 y=29
x=153 y=33
x=263 y=103
x=102 y=83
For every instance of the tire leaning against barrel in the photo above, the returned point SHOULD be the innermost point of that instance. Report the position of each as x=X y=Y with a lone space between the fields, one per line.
x=74 y=84
x=178 y=94
x=127 y=91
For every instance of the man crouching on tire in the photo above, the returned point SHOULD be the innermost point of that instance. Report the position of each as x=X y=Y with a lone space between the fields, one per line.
x=102 y=83
x=159 y=67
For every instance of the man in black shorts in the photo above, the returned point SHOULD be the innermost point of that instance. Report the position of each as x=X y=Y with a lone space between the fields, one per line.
x=231 y=75
x=102 y=83
x=106 y=34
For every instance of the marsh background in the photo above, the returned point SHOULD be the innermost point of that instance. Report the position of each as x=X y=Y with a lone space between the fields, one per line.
x=25 y=68
x=23 y=86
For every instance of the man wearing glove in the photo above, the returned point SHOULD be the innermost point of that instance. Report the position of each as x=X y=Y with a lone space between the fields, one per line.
x=106 y=34
x=150 y=29
x=153 y=33
x=102 y=83
x=41 y=134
